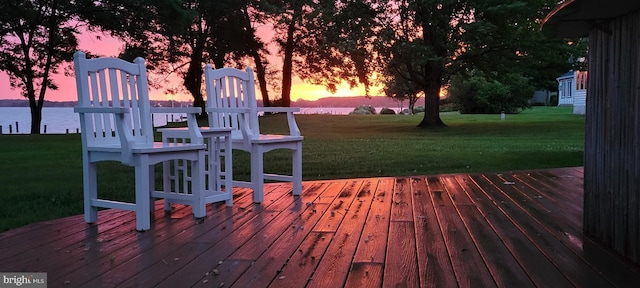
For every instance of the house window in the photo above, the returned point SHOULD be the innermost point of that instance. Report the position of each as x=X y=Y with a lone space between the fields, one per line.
x=581 y=80
x=564 y=88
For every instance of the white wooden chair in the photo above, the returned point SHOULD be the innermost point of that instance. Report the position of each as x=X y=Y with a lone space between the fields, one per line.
x=116 y=125
x=231 y=103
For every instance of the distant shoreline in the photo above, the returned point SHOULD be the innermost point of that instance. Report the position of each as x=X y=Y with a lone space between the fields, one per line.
x=352 y=101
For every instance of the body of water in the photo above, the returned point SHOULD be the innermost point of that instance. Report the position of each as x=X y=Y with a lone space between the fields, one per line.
x=60 y=120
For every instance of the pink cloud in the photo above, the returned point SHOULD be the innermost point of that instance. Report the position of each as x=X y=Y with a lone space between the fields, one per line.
x=103 y=45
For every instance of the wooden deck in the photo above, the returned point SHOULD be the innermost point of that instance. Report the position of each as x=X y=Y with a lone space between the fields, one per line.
x=520 y=229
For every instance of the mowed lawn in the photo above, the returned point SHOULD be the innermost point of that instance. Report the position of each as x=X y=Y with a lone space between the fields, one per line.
x=41 y=175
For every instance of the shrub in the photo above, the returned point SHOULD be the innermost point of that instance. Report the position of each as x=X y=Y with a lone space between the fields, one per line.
x=477 y=94
x=363 y=109
x=387 y=111
x=553 y=100
x=418 y=109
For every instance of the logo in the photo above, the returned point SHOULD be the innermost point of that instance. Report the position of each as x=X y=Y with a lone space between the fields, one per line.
x=23 y=280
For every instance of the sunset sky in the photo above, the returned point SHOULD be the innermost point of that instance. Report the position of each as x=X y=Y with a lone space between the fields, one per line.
x=110 y=47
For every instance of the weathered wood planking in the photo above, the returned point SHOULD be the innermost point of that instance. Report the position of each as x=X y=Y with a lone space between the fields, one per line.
x=516 y=229
x=468 y=264
x=401 y=260
x=508 y=273
x=612 y=135
x=538 y=267
x=434 y=263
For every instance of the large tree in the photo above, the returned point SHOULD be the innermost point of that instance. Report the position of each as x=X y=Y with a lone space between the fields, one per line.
x=506 y=39
x=220 y=33
x=401 y=90
x=341 y=46
x=288 y=19
x=36 y=39
x=420 y=44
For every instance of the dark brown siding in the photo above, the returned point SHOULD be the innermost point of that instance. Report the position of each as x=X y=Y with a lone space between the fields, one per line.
x=612 y=136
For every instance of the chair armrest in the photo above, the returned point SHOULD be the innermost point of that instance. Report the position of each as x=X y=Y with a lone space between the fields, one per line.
x=291 y=120
x=127 y=141
x=187 y=110
x=279 y=109
x=227 y=110
x=114 y=110
x=123 y=128
x=192 y=124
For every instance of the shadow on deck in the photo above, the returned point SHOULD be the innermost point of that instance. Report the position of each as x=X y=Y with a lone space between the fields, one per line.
x=513 y=229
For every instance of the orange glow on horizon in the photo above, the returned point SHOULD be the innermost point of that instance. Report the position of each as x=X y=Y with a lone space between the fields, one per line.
x=67 y=91
x=311 y=92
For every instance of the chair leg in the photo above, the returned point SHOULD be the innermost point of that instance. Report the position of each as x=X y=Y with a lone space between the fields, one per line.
x=228 y=171
x=90 y=188
x=297 y=169
x=257 y=173
x=151 y=187
x=143 y=193
x=199 y=207
x=166 y=183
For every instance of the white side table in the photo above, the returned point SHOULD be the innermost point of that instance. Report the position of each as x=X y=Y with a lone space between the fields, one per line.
x=218 y=170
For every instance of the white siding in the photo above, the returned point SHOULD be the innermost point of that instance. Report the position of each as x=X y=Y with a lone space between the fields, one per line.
x=580 y=102
x=565 y=91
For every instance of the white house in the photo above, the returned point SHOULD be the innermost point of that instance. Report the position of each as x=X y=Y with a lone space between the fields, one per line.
x=572 y=91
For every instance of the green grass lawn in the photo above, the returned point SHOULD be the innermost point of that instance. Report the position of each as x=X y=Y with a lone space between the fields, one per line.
x=41 y=175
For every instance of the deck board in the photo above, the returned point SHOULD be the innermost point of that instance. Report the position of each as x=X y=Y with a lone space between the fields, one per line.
x=500 y=262
x=515 y=205
x=468 y=264
x=511 y=229
x=434 y=263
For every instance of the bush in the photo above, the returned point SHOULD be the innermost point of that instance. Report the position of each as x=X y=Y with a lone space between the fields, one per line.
x=387 y=111
x=363 y=109
x=477 y=94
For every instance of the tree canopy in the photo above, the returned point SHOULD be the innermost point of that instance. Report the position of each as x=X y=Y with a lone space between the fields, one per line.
x=37 y=38
x=410 y=47
x=200 y=32
x=421 y=44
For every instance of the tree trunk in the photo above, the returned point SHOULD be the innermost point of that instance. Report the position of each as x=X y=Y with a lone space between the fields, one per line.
x=287 y=65
x=412 y=103
x=431 y=107
x=261 y=70
x=262 y=79
x=36 y=117
x=193 y=81
x=35 y=105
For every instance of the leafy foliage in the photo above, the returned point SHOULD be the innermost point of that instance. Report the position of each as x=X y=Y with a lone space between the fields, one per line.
x=340 y=49
x=401 y=90
x=413 y=46
x=477 y=94
x=36 y=39
x=199 y=33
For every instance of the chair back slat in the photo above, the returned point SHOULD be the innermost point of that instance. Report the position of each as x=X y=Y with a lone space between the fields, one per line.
x=112 y=82
x=231 y=88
